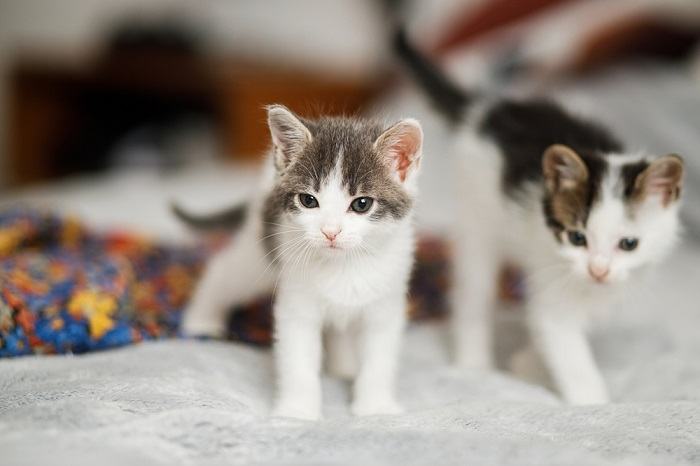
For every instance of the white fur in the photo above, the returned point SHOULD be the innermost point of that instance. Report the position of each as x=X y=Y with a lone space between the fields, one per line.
x=563 y=299
x=355 y=293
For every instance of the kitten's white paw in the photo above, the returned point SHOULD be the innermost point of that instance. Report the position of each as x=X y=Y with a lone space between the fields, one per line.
x=372 y=406
x=592 y=391
x=194 y=326
x=297 y=411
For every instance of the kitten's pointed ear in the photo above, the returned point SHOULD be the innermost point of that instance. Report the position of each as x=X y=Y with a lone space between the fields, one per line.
x=563 y=168
x=401 y=146
x=289 y=135
x=663 y=178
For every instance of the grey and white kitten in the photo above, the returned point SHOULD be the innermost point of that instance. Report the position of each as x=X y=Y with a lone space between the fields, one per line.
x=331 y=230
x=561 y=197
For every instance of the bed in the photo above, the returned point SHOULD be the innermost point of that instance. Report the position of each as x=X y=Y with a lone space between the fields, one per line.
x=208 y=402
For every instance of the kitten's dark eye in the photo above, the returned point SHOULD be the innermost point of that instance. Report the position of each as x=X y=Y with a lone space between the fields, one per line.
x=577 y=238
x=629 y=244
x=361 y=204
x=308 y=201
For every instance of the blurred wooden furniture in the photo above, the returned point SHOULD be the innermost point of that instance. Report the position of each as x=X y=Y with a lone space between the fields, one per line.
x=244 y=90
x=54 y=101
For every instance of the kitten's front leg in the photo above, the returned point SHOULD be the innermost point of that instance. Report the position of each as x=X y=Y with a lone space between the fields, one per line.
x=473 y=299
x=379 y=346
x=224 y=283
x=298 y=349
x=563 y=344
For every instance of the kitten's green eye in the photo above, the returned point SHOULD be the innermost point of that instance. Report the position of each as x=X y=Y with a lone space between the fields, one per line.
x=361 y=204
x=308 y=201
x=629 y=244
x=577 y=238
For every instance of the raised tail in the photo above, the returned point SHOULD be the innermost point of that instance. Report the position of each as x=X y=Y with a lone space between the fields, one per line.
x=227 y=219
x=449 y=99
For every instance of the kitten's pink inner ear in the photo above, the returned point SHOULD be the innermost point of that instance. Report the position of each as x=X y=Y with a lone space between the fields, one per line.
x=401 y=145
x=289 y=135
x=563 y=168
x=663 y=177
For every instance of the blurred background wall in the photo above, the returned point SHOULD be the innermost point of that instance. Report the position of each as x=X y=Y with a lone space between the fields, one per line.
x=72 y=33
x=335 y=47
x=88 y=85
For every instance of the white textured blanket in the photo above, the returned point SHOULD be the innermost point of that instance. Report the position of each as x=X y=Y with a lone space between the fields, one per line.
x=179 y=402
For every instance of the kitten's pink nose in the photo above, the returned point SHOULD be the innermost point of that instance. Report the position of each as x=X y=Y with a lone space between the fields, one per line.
x=598 y=271
x=330 y=232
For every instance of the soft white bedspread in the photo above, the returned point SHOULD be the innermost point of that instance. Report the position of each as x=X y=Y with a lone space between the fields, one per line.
x=178 y=402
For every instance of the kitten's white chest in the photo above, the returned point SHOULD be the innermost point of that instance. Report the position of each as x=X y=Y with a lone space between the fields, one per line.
x=357 y=284
x=347 y=286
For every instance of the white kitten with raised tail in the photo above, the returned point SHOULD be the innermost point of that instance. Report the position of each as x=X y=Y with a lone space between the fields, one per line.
x=332 y=232
x=560 y=197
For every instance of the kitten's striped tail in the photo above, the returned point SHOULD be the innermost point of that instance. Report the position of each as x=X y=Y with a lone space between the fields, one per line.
x=227 y=219
x=449 y=99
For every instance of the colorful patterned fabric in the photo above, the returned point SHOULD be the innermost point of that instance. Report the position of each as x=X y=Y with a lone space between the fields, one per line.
x=66 y=289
